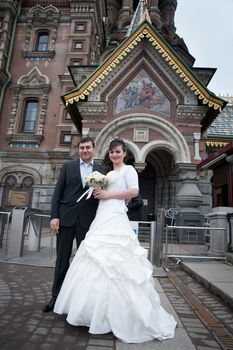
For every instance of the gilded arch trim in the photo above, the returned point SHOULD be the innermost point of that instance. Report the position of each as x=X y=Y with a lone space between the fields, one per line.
x=145 y=31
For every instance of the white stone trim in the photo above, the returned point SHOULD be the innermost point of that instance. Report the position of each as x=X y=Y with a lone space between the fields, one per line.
x=175 y=142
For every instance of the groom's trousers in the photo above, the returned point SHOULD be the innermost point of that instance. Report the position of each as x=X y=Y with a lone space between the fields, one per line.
x=64 y=244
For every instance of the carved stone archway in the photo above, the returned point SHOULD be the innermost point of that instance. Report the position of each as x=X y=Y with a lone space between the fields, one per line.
x=172 y=141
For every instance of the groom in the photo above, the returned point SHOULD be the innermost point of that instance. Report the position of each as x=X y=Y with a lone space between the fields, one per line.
x=70 y=219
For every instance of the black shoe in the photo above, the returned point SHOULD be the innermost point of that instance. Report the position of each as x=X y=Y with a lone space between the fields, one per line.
x=49 y=307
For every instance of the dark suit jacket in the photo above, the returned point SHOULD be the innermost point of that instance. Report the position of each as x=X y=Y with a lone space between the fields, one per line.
x=68 y=189
x=135 y=208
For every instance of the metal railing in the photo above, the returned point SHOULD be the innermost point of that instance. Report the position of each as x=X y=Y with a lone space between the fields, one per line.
x=187 y=242
x=36 y=230
x=149 y=239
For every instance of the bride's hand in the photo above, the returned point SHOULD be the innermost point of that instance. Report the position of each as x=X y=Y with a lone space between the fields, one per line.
x=98 y=193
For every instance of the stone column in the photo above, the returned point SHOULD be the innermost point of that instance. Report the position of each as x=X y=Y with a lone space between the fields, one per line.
x=139 y=166
x=189 y=197
x=219 y=238
x=188 y=201
x=196 y=136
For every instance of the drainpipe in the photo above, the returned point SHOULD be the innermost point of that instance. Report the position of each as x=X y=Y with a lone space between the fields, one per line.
x=2 y=92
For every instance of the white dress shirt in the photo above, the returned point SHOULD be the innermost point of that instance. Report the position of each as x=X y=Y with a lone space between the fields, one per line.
x=85 y=169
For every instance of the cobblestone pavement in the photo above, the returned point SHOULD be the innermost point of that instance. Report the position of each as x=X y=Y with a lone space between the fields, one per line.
x=206 y=318
x=25 y=289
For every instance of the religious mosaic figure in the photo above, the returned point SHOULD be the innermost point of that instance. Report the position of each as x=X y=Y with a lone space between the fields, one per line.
x=142 y=92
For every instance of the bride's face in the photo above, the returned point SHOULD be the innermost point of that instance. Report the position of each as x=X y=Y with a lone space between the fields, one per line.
x=116 y=155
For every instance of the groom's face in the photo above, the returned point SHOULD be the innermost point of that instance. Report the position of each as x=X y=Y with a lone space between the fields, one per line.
x=86 y=151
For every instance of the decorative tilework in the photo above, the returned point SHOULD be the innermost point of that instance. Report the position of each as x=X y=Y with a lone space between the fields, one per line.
x=222 y=126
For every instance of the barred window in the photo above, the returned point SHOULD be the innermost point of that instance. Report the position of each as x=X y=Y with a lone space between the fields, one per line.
x=42 y=41
x=78 y=45
x=65 y=138
x=80 y=27
x=30 y=116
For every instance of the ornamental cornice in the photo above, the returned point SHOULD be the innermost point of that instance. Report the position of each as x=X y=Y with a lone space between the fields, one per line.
x=58 y=3
x=187 y=112
x=38 y=55
x=93 y=108
x=216 y=143
x=34 y=155
x=93 y=119
x=82 y=9
x=64 y=78
x=145 y=31
x=24 y=139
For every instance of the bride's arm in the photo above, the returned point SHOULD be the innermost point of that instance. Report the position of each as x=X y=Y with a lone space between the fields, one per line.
x=125 y=194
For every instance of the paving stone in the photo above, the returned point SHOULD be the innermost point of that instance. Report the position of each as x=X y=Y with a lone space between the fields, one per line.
x=21 y=309
x=197 y=336
x=104 y=342
x=211 y=343
x=197 y=330
x=206 y=348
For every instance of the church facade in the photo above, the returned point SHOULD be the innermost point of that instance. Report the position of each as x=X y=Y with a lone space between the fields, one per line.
x=102 y=69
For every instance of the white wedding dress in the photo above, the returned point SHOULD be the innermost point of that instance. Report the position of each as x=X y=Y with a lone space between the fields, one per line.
x=109 y=285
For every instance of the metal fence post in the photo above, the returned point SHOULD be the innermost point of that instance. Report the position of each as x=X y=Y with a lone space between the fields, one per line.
x=15 y=247
x=152 y=242
x=4 y=229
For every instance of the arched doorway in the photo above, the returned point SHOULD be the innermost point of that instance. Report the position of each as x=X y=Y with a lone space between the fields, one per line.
x=156 y=183
x=147 y=181
x=155 y=156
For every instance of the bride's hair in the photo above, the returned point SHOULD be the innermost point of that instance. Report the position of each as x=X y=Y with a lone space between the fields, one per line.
x=114 y=143
x=117 y=142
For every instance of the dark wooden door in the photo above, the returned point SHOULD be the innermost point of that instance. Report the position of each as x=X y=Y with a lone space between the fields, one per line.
x=147 y=180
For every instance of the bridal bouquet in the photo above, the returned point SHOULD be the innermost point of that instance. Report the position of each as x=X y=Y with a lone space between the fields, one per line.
x=96 y=180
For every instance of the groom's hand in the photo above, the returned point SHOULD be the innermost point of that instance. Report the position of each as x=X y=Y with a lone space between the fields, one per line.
x=54 y=225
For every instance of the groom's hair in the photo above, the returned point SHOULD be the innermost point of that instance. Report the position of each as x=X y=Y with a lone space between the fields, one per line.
x=86 y=139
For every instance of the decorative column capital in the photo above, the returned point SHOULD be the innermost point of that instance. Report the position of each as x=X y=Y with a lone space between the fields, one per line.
x=197 y=136
x=139 y=166
x=187 y=172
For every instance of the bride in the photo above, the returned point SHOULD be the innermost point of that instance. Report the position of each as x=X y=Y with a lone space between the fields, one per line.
x=109 y=285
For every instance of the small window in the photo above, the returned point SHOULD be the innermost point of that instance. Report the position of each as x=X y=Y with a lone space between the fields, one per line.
x=30 y=116
x=75 y=61
x=42 y=42
x=78 y=45
x=65 y=138
x=80 y=27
